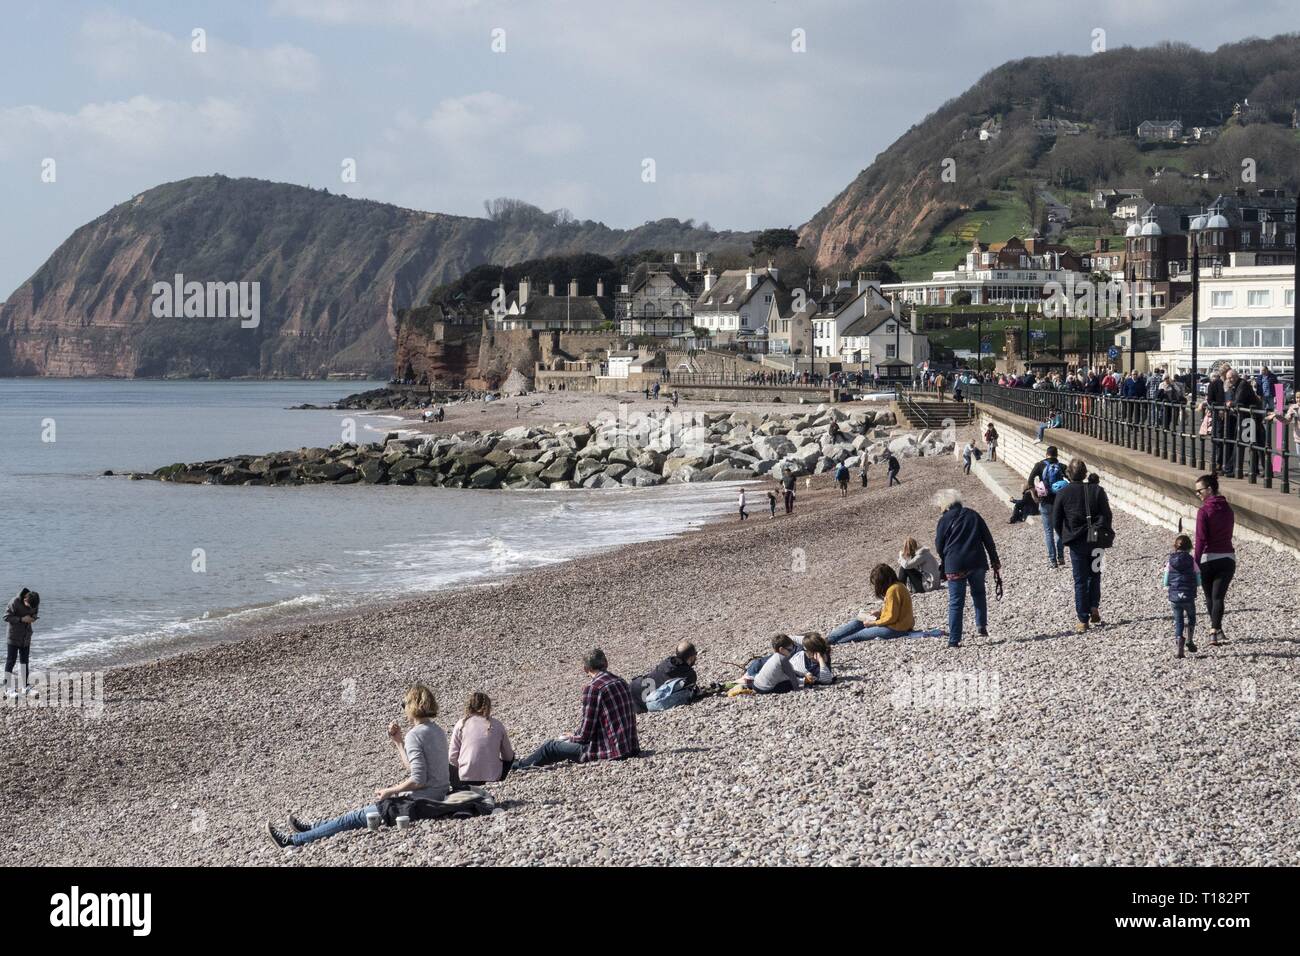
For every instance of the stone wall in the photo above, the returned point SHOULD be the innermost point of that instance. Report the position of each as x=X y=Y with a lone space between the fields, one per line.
x=1151 y=489
x=751 y=393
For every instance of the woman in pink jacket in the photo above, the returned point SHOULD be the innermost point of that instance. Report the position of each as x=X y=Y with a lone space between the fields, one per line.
x=1214 y=551
x=480 y=750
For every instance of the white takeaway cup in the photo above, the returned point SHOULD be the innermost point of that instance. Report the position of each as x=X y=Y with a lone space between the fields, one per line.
x=372 y=820
x=403 y=823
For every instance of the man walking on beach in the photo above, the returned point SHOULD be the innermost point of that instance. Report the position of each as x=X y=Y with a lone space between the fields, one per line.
x=788 y=482
x=743 y=513
x=608 y=728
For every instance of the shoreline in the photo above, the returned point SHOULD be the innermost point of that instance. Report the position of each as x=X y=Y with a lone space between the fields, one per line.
x=1081 y=756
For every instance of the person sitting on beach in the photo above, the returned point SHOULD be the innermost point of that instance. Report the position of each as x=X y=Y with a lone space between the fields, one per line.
x=608 y=727
x=423 y=752
x=480 y=750
x=895 y=618
x=678 y=665
x=918 y=568
x=775 y=674
x=812 y=659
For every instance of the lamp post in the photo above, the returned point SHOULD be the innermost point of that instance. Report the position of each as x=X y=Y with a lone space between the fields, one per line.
x=1295 y=324
x=1195 y=257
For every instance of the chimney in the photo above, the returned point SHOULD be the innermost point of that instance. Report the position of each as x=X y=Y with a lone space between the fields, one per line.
x=750 y=279
x=708 y=280
x=826 y=289
x=916 y=324
x=842 y=282
x=550 y=289
x=573 y=287
x=862 y=282
x=699 y=261
x=523 y=292
x=773 y=271
x=600 y=288
x=677 y=258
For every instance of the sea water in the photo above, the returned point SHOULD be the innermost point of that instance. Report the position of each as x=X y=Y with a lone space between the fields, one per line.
x=129 y=570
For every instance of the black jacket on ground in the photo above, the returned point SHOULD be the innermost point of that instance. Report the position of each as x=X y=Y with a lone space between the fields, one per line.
x=1070 y=514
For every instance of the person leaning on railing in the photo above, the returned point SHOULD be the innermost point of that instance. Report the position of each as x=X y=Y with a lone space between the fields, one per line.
x=1292 y=416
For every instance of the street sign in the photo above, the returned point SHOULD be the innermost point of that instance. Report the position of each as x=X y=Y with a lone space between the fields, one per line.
x=986 y=346
x=1113 y=352
x=1037 y=334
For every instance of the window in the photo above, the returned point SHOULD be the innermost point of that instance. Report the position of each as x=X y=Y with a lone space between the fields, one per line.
x=1221 y=300
x=889 y=329
x=1290 y=296
x=1259 y=298
x=890 y=351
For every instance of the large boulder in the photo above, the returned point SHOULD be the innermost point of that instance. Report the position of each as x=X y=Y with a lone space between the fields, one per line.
x=327 y=470
x=601 y=481
x=525 y=469
x=586 y=468
x=672 y=465
x=733 y=474
x=561 y=469
x=773 y=446
x=485 y=477
x=640 y=478
x=372 y=471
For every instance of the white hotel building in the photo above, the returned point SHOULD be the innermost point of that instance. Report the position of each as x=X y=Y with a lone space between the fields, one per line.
x=1247 y=318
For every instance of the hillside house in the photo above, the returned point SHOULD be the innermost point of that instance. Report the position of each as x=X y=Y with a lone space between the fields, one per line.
x=735 y=306
x=1169 y=131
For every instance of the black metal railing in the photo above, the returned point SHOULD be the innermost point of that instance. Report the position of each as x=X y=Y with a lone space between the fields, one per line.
x=1232 y=442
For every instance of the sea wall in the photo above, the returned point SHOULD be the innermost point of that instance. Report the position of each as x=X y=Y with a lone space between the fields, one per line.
x=1151 y=489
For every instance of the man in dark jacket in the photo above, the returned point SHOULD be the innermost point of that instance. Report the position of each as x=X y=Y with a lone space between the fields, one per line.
x=20 y=615
x=1265 y=385
x=1244 y=424
x=966 y=551
x=1049 y=471
x=1215 y=398
x=1070 y=517
x=681 y=664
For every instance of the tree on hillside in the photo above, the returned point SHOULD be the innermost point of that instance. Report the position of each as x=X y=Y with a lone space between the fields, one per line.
x=770 y=241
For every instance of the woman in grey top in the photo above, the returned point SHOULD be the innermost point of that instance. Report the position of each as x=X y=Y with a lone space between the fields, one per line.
x=423 y=752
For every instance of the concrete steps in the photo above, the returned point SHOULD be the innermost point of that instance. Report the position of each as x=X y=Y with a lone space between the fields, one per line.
x=932 y=413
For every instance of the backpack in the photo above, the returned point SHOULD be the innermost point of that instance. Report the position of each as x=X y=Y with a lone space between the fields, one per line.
x=1045 y=484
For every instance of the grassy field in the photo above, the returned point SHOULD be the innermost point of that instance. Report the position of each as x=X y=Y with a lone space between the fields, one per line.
x=1006 y=216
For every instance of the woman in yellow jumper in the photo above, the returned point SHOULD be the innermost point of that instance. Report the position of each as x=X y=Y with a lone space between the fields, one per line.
x=895 y=617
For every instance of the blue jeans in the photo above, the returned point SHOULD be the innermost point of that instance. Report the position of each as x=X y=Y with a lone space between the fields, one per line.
x=352 y=820
x=1184 y=614
x=1055 y=549
x=553 y=751
x=1087 y=582
x=1042 y=428
x=855 y=630
x=957 y=604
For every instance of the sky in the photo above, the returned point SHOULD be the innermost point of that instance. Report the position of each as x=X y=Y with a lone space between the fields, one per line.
x=755 y=113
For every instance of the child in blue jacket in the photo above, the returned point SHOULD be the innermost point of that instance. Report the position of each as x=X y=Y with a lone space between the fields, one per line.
x=1183 y=579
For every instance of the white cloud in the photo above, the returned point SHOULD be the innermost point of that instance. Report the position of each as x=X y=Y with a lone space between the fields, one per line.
x=121 y=48
x=141 y=127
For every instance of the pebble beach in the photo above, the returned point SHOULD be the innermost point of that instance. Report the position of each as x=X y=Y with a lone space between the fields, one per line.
x=1031 y=746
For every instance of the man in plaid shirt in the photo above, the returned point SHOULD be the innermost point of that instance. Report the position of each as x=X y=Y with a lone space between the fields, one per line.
x=608 y=728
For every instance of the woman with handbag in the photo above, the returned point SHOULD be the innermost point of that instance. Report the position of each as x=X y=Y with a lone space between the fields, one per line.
x=1082 y=520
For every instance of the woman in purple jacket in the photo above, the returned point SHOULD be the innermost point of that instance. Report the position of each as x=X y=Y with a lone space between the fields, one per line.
x=1214 y=552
